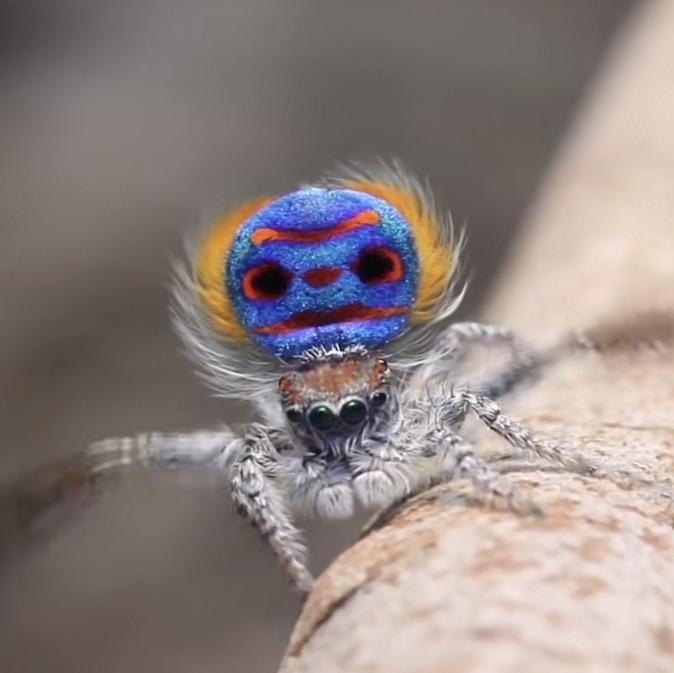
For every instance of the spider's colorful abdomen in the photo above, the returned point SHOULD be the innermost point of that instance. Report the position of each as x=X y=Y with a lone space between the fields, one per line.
x=351 y=264
x=323 y=267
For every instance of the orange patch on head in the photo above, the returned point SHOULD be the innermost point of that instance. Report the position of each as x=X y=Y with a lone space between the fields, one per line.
x=333 y=378
x=379 y=373
x=288 y=388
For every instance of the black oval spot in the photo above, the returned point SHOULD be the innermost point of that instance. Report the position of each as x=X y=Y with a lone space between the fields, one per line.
x=379 y=398
x=266 y=281
x=379 y=265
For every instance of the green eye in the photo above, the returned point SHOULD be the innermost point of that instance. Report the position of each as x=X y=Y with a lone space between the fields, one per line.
x=353 y=412
x=322 y=417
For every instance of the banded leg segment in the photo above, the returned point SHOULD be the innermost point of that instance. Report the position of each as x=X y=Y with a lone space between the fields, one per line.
x=76 y=479
x=257 y=496
x=165 y=450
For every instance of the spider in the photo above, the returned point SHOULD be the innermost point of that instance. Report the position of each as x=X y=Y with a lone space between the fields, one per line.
x=329 y=309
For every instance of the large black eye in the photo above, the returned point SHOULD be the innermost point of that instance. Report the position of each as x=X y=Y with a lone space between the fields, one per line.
x=322 y=417
x=379 y=265
x=266 y=281
x=379 y=398
x=353 y=412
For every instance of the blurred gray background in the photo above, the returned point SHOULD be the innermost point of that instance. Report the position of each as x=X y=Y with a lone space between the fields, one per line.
x=123 y=125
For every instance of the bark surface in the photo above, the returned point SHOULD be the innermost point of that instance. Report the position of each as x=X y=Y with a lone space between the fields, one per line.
x=445 y=585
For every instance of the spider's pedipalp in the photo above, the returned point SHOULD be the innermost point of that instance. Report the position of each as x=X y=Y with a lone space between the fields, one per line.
x=382 y=474
x=320 y=488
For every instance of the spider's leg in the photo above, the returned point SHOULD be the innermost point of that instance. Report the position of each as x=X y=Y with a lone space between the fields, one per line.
x=164 y=450
x=475 y=333
x=523 y=362
x=389 y=465
x=489 y=486
x=457 y=459
x=516 y=434
x=452 y=347
x=256 y=490
x=652 y=330
x=36 y=493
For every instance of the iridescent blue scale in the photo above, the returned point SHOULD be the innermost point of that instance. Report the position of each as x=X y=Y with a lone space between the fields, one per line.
x=341 y=270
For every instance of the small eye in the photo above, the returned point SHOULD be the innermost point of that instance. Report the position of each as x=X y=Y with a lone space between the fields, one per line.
x=267 y=281
x=379 y=398
x=379 y=265
x=353 y=412
x=294 y=415
x=322 y=417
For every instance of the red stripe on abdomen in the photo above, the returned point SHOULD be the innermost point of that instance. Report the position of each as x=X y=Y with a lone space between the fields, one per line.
x=349 y=313
x=268 y=235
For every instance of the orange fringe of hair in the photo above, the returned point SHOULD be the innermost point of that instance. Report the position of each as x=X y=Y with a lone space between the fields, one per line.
x=213 y=263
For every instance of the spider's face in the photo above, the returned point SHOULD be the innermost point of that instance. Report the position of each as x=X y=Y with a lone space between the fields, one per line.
x=336 y=398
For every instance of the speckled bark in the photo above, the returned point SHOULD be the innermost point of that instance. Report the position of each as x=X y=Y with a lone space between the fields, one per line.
x=449 y=586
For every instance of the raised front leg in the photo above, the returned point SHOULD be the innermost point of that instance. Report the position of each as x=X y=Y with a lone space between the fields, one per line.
x=256 y=481
x=653 y=330
x=453 y=346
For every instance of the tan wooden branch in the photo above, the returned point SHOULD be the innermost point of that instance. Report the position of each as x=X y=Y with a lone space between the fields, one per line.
x=445 y=585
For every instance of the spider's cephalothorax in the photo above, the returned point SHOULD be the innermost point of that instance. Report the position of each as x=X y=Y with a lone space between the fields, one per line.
x=327 y=308
x=332 y=405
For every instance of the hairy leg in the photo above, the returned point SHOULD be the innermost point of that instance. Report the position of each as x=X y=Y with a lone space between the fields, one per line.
x=164 y=450
x=453 y=345
x=516 y=434
x=456 y=458
x=36 y=493
x=653 y=330
x=256 y=480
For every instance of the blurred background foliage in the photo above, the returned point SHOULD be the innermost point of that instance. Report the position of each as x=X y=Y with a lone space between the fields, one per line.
x=124 y=125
